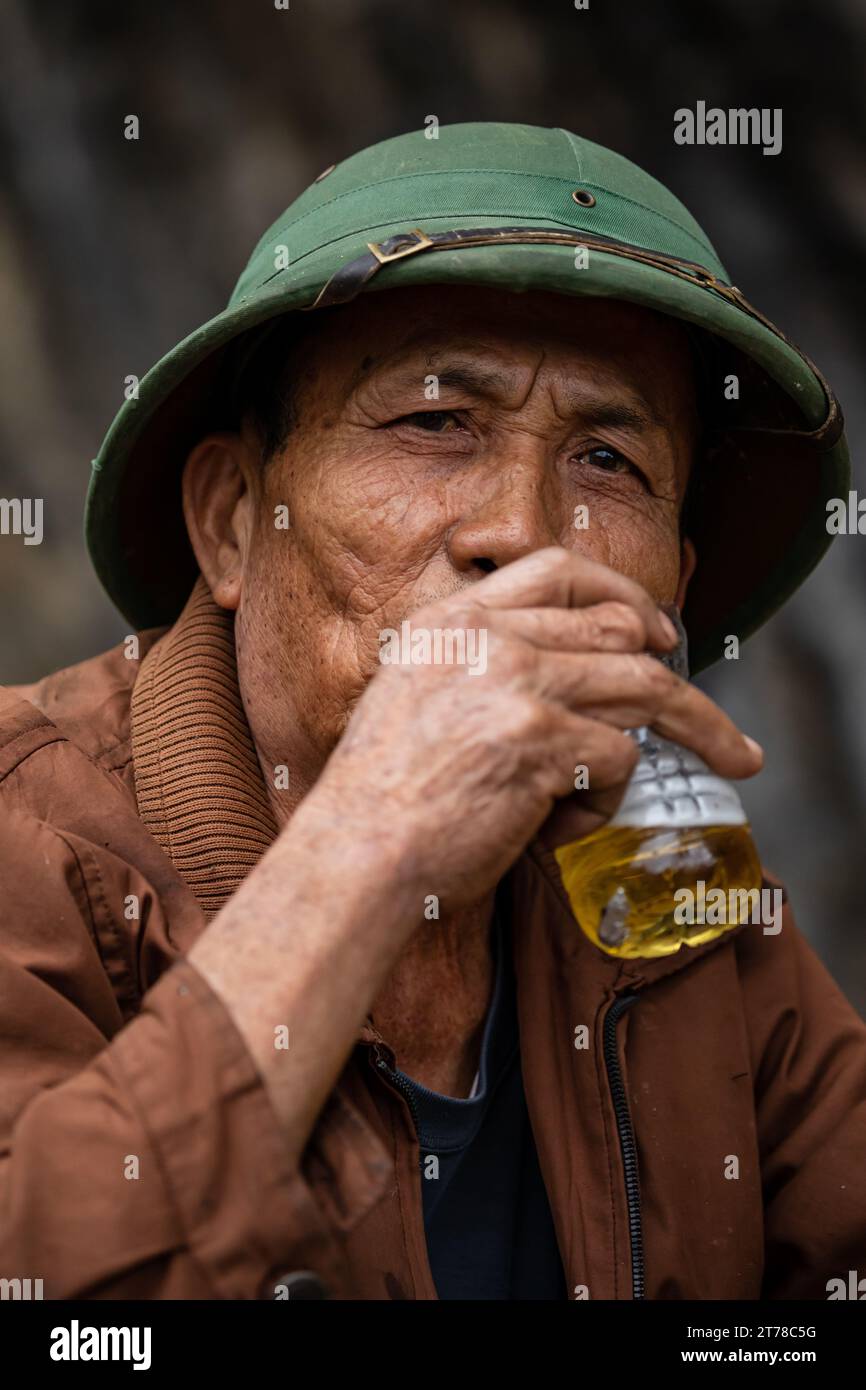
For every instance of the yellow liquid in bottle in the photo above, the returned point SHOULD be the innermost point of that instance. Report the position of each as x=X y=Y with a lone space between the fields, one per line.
x=621 y=882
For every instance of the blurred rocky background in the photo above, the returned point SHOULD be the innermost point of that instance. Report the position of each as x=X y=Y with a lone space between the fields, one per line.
x=112 y=250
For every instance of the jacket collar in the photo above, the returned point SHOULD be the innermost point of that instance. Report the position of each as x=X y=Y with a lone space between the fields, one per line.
x=198 y=783
x=201 y=794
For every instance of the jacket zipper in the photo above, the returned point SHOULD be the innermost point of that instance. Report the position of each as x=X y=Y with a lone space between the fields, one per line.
x=398 y=1084
x=627 y=1144
x=624 y=1127
x=394 y=1082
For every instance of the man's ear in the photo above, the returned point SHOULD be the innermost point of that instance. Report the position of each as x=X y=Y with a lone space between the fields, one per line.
x=218 y=507
x=688 y=564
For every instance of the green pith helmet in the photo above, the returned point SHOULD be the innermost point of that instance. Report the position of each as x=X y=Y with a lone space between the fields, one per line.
x=505 y=206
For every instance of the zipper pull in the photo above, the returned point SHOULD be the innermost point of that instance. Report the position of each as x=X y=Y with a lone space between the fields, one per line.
x=379 y=1059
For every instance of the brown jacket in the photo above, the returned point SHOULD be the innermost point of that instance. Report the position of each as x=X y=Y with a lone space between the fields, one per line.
x=131 y=806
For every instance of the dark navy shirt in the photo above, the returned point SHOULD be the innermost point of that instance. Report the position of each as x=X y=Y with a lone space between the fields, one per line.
x=487 y=1217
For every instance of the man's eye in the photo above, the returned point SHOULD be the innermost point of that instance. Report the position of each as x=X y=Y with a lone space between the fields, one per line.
x=611 y=460
x=434 y=421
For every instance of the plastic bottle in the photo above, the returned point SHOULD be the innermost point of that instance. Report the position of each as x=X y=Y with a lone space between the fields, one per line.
x=679 y=827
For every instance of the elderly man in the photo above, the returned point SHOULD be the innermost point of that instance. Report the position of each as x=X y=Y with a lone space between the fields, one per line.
x=294 y=1001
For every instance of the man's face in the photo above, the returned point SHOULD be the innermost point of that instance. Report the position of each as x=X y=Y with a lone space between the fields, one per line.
x=444 y=432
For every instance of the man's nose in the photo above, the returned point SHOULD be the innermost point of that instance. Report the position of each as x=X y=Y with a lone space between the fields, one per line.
x=514 y=515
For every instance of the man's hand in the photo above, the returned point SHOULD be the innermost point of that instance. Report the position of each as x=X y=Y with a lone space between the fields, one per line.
x=465 y=768
x=438 y=783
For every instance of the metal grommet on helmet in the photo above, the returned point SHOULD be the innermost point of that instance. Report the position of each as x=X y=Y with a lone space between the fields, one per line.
x=583 y=197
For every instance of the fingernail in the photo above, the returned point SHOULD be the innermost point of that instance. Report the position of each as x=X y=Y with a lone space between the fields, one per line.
x=755 y=747
x=668 y=627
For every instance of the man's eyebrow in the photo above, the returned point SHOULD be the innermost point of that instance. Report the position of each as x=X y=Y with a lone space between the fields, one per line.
x=475 y=380
x=636 y=417
x=602 y=412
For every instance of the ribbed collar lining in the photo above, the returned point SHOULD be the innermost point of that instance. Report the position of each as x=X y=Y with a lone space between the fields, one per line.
x=198 y=781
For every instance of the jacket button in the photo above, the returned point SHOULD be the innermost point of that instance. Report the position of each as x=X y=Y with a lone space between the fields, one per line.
x=294 y=1284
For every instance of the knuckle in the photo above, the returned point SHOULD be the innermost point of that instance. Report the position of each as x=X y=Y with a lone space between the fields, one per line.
x=621 y=754
x=460 y=611
x=524 y=720
x=556 y=555
x=613 y=757
x=557 y=561
x=617 y=619
x=513 y=658
x=656 y=680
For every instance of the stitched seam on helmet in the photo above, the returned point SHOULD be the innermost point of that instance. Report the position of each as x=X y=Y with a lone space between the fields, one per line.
x=573 y=146
x=512 y=173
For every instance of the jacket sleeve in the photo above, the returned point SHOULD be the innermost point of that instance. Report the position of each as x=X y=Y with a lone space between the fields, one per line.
x=809 y=1065
x=143 y=1159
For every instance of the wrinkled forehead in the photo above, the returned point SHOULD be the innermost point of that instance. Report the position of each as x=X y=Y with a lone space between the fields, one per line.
x=478 y=336
x=404 y=318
